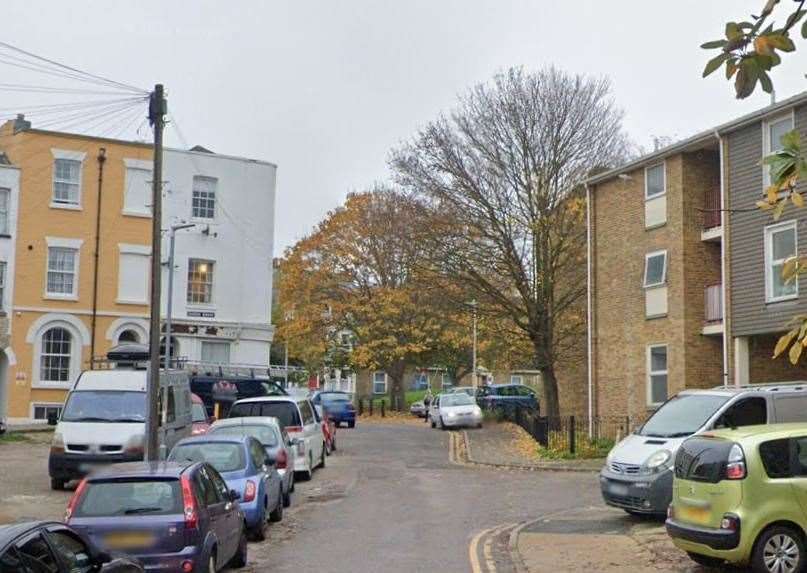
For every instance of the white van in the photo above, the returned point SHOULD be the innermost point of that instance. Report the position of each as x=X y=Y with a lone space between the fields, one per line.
x=104 y=420
x=638 y=473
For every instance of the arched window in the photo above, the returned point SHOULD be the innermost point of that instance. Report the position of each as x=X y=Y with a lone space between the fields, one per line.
x=55 y=356
x=128 y=336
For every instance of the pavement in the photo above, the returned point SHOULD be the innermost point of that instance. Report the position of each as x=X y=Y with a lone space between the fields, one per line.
x=404 y=498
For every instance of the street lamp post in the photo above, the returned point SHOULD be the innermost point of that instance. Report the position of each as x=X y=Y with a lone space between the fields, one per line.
x=474 y=381
x=170 y=303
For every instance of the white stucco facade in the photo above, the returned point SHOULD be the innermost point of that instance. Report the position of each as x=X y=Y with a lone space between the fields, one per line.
x=9 y=207
x=222 y=309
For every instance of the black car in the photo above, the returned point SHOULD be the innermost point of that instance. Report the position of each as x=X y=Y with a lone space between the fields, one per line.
x=507 y=396
x=47 y=546
x=227 y=389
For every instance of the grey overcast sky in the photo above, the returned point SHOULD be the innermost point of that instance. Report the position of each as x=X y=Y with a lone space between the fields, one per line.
x=324 y=88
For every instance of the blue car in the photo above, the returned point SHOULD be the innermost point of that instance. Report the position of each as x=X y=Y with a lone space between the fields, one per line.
x=171 y=517
x=338 y=406
x=246 y=469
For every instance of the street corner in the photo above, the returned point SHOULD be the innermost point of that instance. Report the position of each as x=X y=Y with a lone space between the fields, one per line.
x=597 y=539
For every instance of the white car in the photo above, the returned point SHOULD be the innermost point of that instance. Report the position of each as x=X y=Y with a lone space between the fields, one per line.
x=296 y=415
x=454 y=411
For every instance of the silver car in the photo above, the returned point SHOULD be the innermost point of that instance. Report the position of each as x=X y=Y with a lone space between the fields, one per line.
x=454 y=411
x=274 y=439
x=418 y=409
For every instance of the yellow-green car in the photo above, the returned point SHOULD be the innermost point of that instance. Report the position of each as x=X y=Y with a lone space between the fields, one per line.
x=740 y=496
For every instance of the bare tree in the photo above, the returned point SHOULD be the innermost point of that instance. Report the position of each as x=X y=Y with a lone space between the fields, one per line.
x=503 y=175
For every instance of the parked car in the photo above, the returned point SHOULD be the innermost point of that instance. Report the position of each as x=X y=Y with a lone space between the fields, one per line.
x=199 y=416
x=103 y=419
x=454 y=411
x=173 y=517
x=418 y=409
x=739 y=497
x=296 y=414
x=274 y=439
x=506 y=397
x=246 y=468
x=328 y=430
x=204 y=384
x=637 y=475
x=338 y=406
x=46 y=546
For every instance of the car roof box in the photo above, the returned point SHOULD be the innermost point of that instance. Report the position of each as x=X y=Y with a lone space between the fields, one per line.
x=128 y=353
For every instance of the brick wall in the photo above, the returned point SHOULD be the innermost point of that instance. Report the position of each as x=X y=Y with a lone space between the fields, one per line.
x=621 y=331
x=764 y=369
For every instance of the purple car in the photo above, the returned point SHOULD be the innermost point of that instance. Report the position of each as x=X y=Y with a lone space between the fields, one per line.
x=173 y=517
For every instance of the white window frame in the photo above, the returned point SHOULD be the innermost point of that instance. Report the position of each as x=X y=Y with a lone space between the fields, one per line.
x=385 y=383
x=647 y=258
x=651 y=373
x=211 y=302
x=663 y=166
x=71 y=356
x=137 y=165
x=215 y=197
x=766 y=141
x=769 y=231
x=516 y=379
x=74 y=245
x=71 y=156
x=216 y=342
x=35 y=405
x=139 y=250
x=3 y=283
x=5 y=222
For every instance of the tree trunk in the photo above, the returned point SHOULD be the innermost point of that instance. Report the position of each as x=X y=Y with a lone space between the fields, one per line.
x=397 y=394
x=552 y=406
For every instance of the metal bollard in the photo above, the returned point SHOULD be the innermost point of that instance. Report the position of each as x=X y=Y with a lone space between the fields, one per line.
x=383 y=412
x=572 y=435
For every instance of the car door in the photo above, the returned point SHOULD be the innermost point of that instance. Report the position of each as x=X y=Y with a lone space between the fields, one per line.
x=434 y=409
x=268 y=473
x=311 y=430
x=214 y=503
x=232 y=518
x=69 y=548
x=37 y=555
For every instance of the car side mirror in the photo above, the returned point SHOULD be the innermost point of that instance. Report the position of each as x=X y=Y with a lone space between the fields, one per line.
x=234 y=495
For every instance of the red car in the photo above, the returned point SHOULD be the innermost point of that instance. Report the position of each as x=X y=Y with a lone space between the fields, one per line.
x=201 y=421
x=328 y=429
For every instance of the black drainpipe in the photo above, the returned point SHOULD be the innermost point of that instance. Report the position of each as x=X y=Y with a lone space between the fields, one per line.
x=101 y=159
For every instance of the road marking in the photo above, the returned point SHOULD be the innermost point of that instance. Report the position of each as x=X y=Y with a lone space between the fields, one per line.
x=489 y=535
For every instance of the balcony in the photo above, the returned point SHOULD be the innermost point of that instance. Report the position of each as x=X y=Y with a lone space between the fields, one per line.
x=713 y=310
x=712 y=229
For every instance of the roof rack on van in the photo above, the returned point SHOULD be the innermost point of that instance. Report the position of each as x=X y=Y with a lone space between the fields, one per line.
x=768 y=387
x=256 y=371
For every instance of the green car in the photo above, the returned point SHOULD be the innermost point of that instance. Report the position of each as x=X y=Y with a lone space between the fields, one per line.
x=740 y=496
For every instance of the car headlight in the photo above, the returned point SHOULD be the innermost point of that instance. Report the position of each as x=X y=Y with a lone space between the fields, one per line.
x=57 y=443
x=656 y=462
x=477 y=411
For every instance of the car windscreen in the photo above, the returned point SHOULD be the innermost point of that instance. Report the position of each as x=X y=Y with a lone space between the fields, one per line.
x=264 y=434
x=198 y=412
x=459 y=399
x=682 y=415
x=702 y=459
x=130 y=497
x=286 y=412
x=221 y=455
x=335 y=398
x=105 y=406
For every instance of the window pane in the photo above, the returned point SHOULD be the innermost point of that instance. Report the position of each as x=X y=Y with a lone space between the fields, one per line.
x=777 y=130
x=784 y=244
x=38 y=557
x=658 y=359
x=55 y=356
x=4 y=195
x=654 y=273
x=217 y=352
x=778 y=283
x=776 y=458
x=658 y=388
x=655 y=180
x=200 y=281
x=61 y=270
x=204 y=197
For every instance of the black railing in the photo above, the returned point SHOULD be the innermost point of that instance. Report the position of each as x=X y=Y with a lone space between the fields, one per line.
x=570 y=434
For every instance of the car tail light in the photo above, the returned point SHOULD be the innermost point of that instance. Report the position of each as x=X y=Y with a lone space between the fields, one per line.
x=292 y=429
x=730 y=522
x=187 y=566
x=249 y=491
x=282 y=460
x=189 y=504
x=735 y=466
x=73 y=503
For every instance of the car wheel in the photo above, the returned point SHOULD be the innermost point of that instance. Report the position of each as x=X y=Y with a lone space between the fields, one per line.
x=240 y=557
x=258 y=532
x=309 y=473
x=778 y=550
x=433 y=424
x=706 y=561
x=211 y=563
x=287 y=498
x=277 y=512
x=57 y=484
x=351 y=424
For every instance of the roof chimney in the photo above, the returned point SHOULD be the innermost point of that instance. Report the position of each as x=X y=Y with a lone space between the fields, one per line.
x=21 y=124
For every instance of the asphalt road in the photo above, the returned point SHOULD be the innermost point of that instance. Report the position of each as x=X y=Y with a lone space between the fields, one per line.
x=390 y=500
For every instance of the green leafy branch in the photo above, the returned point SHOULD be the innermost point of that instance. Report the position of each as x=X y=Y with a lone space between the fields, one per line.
x=751 y=49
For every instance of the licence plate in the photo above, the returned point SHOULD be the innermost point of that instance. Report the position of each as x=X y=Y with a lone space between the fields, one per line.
x=88 y=468
x=699 y=515
x=129 y=540
x=618 y=489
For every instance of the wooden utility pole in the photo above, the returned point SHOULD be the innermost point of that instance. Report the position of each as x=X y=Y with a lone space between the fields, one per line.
x=157 y=109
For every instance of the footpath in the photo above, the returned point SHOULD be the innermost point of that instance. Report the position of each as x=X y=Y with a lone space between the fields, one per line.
x=597 y=538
